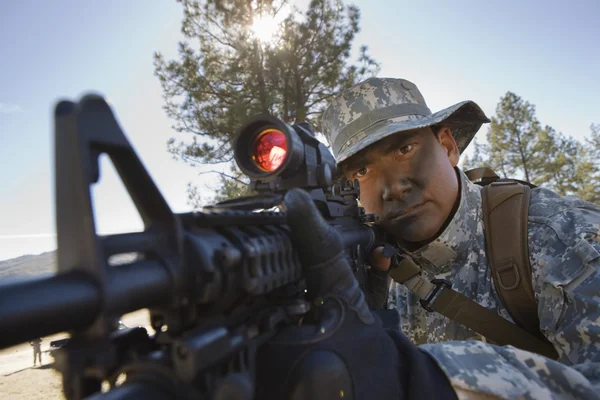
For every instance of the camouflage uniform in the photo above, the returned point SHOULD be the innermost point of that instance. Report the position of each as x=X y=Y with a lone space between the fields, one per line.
x=565 y=256
x=564 y=250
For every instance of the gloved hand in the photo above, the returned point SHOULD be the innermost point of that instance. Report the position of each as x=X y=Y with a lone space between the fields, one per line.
x=343 y=352
x=378 y=281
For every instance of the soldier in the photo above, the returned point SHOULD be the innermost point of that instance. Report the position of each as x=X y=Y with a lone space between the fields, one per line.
x=406 y=160
x=37 y=350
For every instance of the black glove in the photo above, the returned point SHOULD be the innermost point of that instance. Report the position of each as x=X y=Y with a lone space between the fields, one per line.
x=378 y=282
x=383 y=256
x=344 y=353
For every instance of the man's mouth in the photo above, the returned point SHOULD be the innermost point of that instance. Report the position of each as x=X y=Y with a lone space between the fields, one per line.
x=404 y=212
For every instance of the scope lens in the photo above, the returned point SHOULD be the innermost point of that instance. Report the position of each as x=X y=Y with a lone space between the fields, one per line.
x=269 y=149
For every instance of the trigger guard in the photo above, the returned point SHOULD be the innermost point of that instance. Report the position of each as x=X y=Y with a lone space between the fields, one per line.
x=334 y=314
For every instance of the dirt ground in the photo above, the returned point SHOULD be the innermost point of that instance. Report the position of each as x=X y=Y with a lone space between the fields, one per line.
x=19 y=380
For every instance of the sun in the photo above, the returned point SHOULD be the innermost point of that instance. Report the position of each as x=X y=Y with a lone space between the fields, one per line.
x=264 y=28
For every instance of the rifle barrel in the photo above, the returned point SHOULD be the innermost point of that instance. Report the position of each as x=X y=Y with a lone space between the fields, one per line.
x=44 y=306
x=70 y=301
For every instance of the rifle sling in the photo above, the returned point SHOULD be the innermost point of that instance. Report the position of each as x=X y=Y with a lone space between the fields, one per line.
x=439 y=296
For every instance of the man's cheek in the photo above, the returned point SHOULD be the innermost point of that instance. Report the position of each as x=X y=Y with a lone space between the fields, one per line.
x=370 y=209
x=368 y=197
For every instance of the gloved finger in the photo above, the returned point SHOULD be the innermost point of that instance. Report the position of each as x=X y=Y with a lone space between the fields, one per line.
x=319 y=247
x=316 y=240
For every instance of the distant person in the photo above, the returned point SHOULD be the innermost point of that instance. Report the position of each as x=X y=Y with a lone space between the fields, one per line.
x=37 y=350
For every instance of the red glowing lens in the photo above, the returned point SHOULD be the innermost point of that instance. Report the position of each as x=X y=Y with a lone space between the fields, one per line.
x=269 y=149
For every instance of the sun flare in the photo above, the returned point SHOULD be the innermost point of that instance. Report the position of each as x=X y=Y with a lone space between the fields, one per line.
x=264 y=28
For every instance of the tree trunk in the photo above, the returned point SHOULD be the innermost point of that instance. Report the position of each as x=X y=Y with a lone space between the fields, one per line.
x=300 y=106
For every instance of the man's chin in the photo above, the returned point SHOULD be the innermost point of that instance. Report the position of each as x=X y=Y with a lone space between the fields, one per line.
x=412 y=237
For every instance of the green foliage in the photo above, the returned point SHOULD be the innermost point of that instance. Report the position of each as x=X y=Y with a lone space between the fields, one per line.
x=225 y=74
x=512 y=137
x=231 y=184
x=478 y=158
x=587 y=173
x=556 y=161
x=519 y=147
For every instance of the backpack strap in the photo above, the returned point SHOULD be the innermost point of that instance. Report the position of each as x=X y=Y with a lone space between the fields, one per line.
x=505 y=211
x=439 y=296
x=505 y=206
x=482 y=176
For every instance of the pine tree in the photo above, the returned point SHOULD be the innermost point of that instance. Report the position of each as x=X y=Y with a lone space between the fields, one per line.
x=518 y=147
x=556 y=161
x=587 y=173
x=512 y=138
x=226 y=74
x=478 y=159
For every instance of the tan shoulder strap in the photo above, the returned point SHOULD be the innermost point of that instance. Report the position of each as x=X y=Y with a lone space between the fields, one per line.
x=505 y=211
x=439 y=296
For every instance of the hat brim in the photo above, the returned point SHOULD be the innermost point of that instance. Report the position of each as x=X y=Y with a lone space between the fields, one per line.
x=464 y=119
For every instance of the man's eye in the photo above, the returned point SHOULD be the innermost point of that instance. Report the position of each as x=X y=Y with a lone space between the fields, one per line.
x=406 y=149
x=361 y=172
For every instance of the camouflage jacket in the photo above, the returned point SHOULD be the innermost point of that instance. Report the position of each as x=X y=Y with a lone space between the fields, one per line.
x=564 y=248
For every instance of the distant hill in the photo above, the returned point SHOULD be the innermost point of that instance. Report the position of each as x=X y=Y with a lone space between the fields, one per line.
x=45 y=263
x=29 y=265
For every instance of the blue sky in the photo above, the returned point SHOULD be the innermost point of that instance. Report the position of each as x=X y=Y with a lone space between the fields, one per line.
x=545 y=51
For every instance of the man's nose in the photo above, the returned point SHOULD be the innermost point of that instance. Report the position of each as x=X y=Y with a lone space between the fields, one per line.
x=395 y=188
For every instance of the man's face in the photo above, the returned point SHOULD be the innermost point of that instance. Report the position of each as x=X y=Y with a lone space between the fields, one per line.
x=408 y=179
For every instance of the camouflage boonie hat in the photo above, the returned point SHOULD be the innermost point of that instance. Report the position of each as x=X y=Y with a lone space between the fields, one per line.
x=379 y=107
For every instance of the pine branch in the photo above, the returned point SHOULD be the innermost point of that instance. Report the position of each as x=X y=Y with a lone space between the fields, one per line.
x=223 y=174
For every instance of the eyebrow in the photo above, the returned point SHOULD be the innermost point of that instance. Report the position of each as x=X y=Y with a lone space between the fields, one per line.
x=399 y=140
x=357 y=161
x=388 y=145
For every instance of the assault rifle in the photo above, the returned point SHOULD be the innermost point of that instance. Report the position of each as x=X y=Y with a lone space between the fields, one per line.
x=217 y=283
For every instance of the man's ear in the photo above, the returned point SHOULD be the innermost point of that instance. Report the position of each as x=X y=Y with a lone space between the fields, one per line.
x=447 y=141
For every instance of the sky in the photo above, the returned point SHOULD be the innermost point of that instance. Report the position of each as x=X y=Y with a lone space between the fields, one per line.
x=544 y=51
